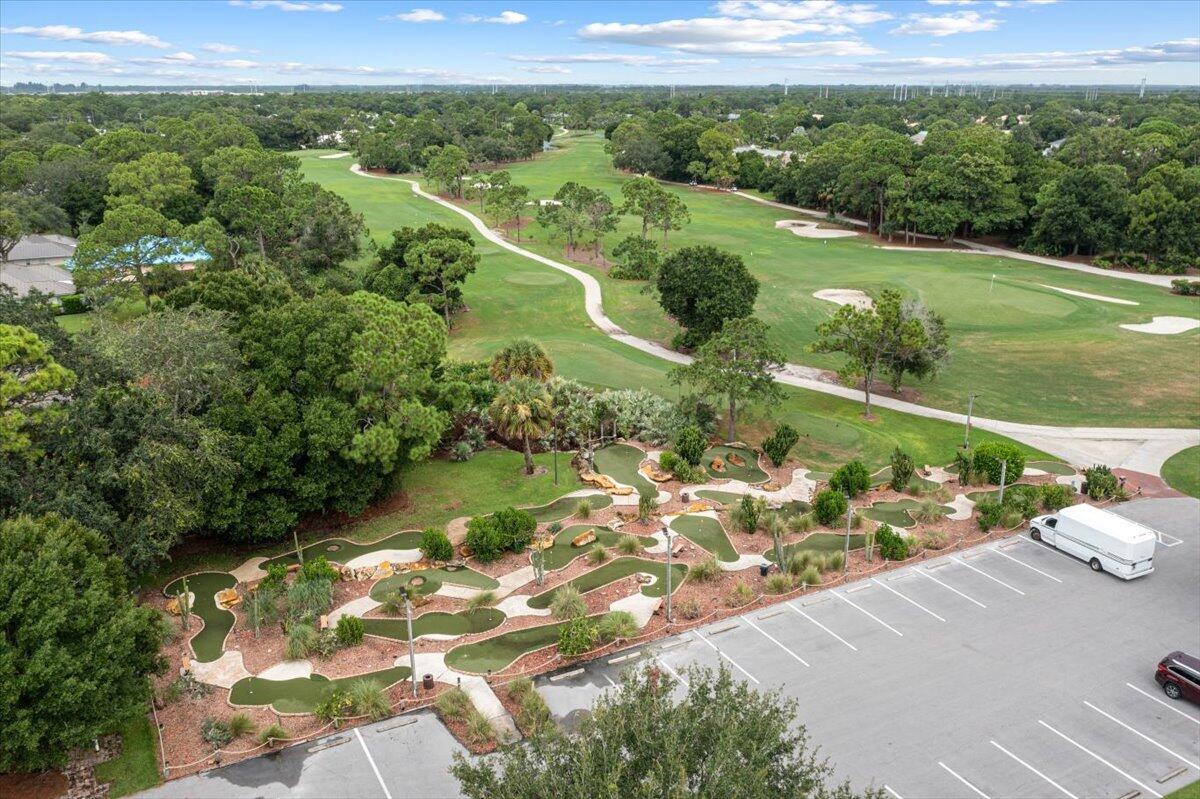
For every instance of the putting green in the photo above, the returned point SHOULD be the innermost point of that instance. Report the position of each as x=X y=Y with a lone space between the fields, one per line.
x=432 y=580
x=750 y=473
x=706 y=533
x=340 y=550
x=437 y=623
x=209 y=643
x=563 y=552
x=620 y=462
x=1182 y=471
x=564 y=507
x=302 y=694
x=822 y=543
x=980 y=496
x=617 y=570
x=724 y=497
x=897 y=513
x=496 y=653
x=884 y=475
x=1051 y=467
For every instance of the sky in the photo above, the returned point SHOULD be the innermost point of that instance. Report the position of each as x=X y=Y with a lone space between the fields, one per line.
x=806 y=42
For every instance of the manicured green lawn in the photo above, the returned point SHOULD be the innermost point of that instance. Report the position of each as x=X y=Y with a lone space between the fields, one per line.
x=136 y=768
x=1031 y=353
x=75 y=322
x=1182 y=471
x=1186 y=792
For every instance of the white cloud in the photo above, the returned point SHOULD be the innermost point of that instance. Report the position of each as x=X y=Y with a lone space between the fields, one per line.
x=73 y=57
x=784 y=49
x=700 y=31
x=611 y=58
x=288 y=5
x=947 y=24
x=218 y=47
x=70 y=33
x=953 y=2
x=508 y=18
x=547 y=70
x=820 y=10
x=1179 y=50
x=417 y=15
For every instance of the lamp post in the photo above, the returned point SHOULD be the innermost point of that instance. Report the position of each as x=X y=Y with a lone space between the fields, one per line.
x=846 y=550
x=970 y=408
x=667 y=535
x=1003 y=475
x=412 y=653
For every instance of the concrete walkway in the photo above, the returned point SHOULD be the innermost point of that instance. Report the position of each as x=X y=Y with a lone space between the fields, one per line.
x=1136 y=449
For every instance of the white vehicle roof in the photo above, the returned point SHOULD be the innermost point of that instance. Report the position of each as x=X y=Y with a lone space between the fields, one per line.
x=1116 y=526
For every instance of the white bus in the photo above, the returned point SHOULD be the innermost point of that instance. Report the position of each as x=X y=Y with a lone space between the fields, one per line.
x=1108 y=542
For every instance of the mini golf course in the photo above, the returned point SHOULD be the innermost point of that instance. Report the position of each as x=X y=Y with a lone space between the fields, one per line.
x=209 y=643
x=982 y=496
x=819 y=543
x=496 y=653
x=427 y=581
x=564 y=507
x=437 y=623
x=563 y=551
x=750 y=473
x=302 y=694
x=884 y=475
x=724 y=497
x=1051 y=467
x=618 y=570
x=706 y=533
x=620 y=462
x=339 y=550
x=897 y=513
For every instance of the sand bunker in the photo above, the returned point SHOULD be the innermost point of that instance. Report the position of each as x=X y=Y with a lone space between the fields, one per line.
x=335 y=155
x=809 y=230
x=1165 y=325
x=844 y=297
x=1087 y=296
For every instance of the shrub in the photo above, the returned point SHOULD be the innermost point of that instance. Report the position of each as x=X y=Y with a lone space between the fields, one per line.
x=1100 y=483
x=435 y=544
x=215 y=733
x=534 y=715
x=829 y=505
x=461 y=452
x=1023 y=499
x=966 y=469
x=453 y=703
x=349 y=630
x=801 y=523
x=797 y=563
x=779 y=444
x=629 y=545
x=988 y=455
x=892 y=545
x=688 y=608
x=1188 y=288
x=334 y=706
x=276 y=572
x=316 y=570
x=773 y=524
x=1011 y=518
x=683 y=471
x=928 y=511
x=637 y=259
x=481 y=599
x=516 y=528
x=271 y=734
x=74 y=303
x=484 y=539
x=302 y=640
x=834 y=562
x=479 y=729
x=577 y=636
x=647 y=504
x=617 y=624
x=519 y=687
x=778 y=583
x=240 y=724
x=1055 y=496
x=567 y=603
x=811 y=576
x=393 y=602
x=705 y=571
x=307 y=600
x=903 y=469
x=748 y=512
x=851 y=478
x=935 y=539
x=739 y=595
x=597 y=554
x=261 y=606
x=990 y=512
x=368 y=698
x=583 y=509
x=690 y=445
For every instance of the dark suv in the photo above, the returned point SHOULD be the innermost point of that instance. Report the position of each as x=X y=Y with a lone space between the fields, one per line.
x=1179 y=676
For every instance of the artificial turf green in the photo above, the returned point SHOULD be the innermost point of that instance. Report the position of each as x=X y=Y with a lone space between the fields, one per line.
x=1182 y=471
x=1051 y=467
x=897 y=513
x=436 y=623
x=565 y=507
x=209 y=643
x=821 y=543
x=619 y=569
x=427 y=581
x=340 y=550
x=724 y=497
x=563 y=551
x=302 y=694
x=494 y=654
x=706 y=533
x=750 y=473
x=620 y=462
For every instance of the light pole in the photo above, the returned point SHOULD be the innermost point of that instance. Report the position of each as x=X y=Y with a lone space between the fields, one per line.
x=1003 y=474
x=667 y=535
x=970 y=408
x=412 y=652
x=846 y=551
x=555 y=445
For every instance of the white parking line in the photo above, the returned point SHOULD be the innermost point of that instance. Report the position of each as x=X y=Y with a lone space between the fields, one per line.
x=923 y=573
x=1026 y=565
x=822 y=626
x=387 y=794
x=888 y=788
x=959 y=777
x=1145 y=738
x=1035 y=771
x=775 y=641
x=906 y=599
x=985 y=574
x=867 y=612
x=722 y=654
x=1047 y=548
x=1083 y=748
x=610 y=679
x=671 y=671
x=1167 y=705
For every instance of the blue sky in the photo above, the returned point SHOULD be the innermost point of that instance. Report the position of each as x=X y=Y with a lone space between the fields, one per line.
x=517 y=42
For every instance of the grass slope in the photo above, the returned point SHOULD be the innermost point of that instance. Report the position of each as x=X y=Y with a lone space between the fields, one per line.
x=136 y=768
x=1182 y=471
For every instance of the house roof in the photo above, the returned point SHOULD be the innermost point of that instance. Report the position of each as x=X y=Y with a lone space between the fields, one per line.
x=46 y=278
x=38 y=246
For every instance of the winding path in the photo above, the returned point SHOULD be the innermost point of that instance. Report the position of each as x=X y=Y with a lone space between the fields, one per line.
x=1136 y=449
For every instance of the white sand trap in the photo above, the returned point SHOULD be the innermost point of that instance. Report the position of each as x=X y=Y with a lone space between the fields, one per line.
x=380 y=555
x=1165 y=325
x=1087 y=296
x=335 y=155
x=845 y=297
x=809 y=230
x=288 y=670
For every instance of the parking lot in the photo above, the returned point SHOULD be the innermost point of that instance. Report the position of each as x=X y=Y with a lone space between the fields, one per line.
x=1007 y=670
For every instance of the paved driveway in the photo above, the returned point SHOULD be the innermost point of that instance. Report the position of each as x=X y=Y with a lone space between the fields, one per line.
x=1009 y=670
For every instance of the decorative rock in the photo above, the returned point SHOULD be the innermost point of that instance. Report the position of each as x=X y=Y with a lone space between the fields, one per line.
x=717 y=465
x=770 y=487
x=584 y=538
x=735 y=459
x=228 y=598
x=324 y=622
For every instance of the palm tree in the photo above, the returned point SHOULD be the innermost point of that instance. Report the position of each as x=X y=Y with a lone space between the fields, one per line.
x=522 y=410
x=522 y=358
